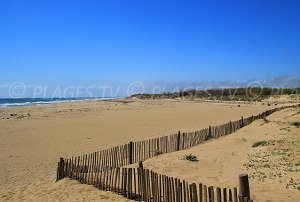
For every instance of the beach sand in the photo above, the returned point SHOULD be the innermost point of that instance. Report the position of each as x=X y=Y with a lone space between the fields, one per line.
x=33 y=138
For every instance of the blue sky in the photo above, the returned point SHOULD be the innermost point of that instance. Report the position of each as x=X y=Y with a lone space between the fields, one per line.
x=60 y=42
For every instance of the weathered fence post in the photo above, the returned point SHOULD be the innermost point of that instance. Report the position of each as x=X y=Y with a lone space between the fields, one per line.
x=244 y=186
x=178 y=141
x=130 y=152
x=193 y=193
x=219 y=196
x=209 y=136
x=60 y=169
x=242 y=122
x=211 y=197
x=224 y=194
x=57 y=171
x=235 y=195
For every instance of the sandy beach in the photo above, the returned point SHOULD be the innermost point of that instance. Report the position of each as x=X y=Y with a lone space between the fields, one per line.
x=89 y=89
x=33 y=138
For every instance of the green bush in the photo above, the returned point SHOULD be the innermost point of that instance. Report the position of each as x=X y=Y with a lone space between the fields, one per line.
x=260 y=144
x=296 y=123
x=191 y=157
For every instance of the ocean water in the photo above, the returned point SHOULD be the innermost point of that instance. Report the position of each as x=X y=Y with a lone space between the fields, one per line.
x=11 y=102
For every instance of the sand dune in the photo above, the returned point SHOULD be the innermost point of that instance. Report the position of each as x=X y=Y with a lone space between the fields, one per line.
x=273 y=169
x=33 y=138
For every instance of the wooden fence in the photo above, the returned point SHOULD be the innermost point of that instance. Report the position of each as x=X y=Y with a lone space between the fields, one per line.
x=146 y=185
x=103 y=170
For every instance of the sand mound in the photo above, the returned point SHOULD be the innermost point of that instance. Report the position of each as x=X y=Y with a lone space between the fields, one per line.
x=268 y=150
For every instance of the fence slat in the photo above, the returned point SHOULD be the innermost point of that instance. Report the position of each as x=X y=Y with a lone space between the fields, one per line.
x=219 y=196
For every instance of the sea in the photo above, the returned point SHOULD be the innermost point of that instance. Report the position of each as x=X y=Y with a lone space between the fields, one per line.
x=17 y=102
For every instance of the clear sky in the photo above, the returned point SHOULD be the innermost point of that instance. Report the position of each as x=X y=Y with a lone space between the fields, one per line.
x=85 y=41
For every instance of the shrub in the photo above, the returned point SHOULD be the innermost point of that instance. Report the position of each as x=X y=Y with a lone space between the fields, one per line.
x=191 y=157
x=296 y=123
x=260 y=144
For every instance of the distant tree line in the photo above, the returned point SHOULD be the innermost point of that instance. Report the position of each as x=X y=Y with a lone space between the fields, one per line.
x=243 y=94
